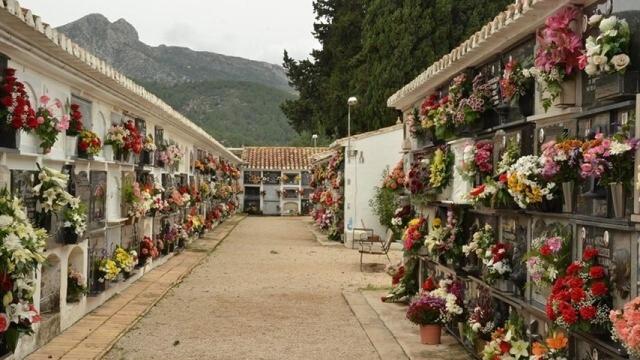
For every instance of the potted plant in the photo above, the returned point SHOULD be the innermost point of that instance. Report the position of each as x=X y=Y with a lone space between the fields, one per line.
x=125 y=261
x=148 y=251
x=106 y=272
x=116 y=139
x=74 y=130
x=76 y=285
x=426 y=311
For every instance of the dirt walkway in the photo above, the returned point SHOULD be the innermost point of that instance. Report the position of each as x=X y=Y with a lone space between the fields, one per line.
x=268 y=292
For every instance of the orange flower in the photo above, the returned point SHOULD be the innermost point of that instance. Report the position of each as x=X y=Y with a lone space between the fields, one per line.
x=558 y=342
x=538 y=349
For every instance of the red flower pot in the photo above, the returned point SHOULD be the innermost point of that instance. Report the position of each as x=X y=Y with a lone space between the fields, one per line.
x=430 y=334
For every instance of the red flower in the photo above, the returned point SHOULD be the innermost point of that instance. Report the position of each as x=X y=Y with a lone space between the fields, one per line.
x=589 y=253
x=7 y=101
x=599 y=288
x=577 y=295
x=596 y=272
x=429 y=285
x=588 y=312
x=505 y=347
x=545 y=250
x=574 y=268
x=569 y=316
x=477 y=190
x=503 y=178
x=575 y=282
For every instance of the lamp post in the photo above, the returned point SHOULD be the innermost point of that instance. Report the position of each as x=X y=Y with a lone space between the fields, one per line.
x=352 y=101
x=315 y=139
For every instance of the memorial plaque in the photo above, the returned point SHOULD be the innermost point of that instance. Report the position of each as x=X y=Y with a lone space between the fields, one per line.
x=22 y=183
x=97 y=203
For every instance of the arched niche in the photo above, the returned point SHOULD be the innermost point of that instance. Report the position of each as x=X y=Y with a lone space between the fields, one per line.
x=100 y=125
x=50 y=286
x=77 y=260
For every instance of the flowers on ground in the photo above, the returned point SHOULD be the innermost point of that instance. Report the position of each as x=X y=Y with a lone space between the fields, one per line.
x=607 y=52
x=578 y=300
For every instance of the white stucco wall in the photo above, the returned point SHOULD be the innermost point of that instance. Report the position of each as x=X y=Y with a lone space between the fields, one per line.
x=363 y=173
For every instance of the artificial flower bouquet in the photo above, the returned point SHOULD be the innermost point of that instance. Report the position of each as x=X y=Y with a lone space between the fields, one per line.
x=481 y=322
x=497 y=262
x=76 y=285
x=428 y=112
x=626 y=326
x=609 y=160
x=15 y=102
x=440 y=170
x=481 y=241
x=507 y=342
x=108 y=270
x=560 y=160
x=74 y=218
x=395 y=179
x=549 y=256
x=115 y=137
x=514 y=81
x=133 y=141
x=149 y=145
x=148 y=251
x=417 y=177
x=493 y=192
x=89 y=143
x=75 y=120
x=48 y=125
x=414 y=233
x=137 y=199
x=22 y=254
x=478 y=101
x=606 y=53
x=554 y=347
x=526 y=184
x=401 y=217
x=476 y=160
x=441 y=240
x=580 y=299
x=452 y=292
x=559 y=48
x=427 y=309
x=125 y=260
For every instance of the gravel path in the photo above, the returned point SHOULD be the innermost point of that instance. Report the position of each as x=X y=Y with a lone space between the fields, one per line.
x=268 y=292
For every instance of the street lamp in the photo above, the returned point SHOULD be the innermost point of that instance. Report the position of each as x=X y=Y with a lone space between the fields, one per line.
x=352 y=101
x=315 y=139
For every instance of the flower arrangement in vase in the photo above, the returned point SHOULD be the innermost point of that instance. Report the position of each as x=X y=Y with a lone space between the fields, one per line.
x=610 y=162
x=417 y=177
x=17 y=107
x=554 y=347
x=559 y=47
x=48 y=125
x=549 y=256
x=481 y=323
x=606 y=53
x=514 y=81
x=476 y=160
x=507 y=342
x=107 y=270
x=74 y=222
x=125 y=260
x=560 y=162
x=413 y=234
x=395 y=179
x=75 y=120
x=441 y=240
x=481 y=241
x=497 y=262
x=76 y=285
x=401 y=218
x=427 y=312
x=148 y=251
x=472 y=107
x=440 y=170
x=493 y=192
x=137 y=199
x=626 y=326
x=526 y=184
x=89 y=144
x=22 y=254
x=116 y=139
x=580 y=299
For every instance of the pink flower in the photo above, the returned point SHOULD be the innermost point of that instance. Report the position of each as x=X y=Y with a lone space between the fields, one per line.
x=44 y=99
x=40 y=120
x=554 y=243
x=63 y=124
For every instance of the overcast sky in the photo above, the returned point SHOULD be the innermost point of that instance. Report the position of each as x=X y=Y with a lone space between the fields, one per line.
x=253 y=29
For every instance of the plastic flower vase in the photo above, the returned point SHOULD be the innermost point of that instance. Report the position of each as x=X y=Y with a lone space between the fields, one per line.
x=430 y=334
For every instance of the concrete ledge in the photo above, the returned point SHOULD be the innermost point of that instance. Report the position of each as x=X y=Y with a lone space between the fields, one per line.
x=322 y=239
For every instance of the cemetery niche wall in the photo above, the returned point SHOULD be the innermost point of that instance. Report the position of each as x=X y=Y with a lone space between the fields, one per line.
x=520 y=200
x=118 y=179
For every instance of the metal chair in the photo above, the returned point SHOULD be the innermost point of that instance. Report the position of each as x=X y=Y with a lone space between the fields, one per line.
x=375 y=246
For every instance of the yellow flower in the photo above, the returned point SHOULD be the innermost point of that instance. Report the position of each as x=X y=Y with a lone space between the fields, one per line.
x=437 y=222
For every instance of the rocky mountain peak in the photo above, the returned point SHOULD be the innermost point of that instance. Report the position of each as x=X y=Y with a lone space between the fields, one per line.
x=125 y=29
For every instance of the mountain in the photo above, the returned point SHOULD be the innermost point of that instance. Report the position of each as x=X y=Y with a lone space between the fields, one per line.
x=237 y=100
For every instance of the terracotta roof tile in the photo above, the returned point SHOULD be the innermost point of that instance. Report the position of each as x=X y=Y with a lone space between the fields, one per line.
x=279 y=158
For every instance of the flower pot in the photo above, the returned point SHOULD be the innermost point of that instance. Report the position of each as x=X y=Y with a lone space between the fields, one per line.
x=430 y=334
x=107 y=152
x=71 y=146
x=617 y=199
x=568 y=189
x=69 y=236
x=28 y=142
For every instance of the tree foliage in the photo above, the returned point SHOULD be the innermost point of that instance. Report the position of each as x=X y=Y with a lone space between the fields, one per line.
x=370 y=49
